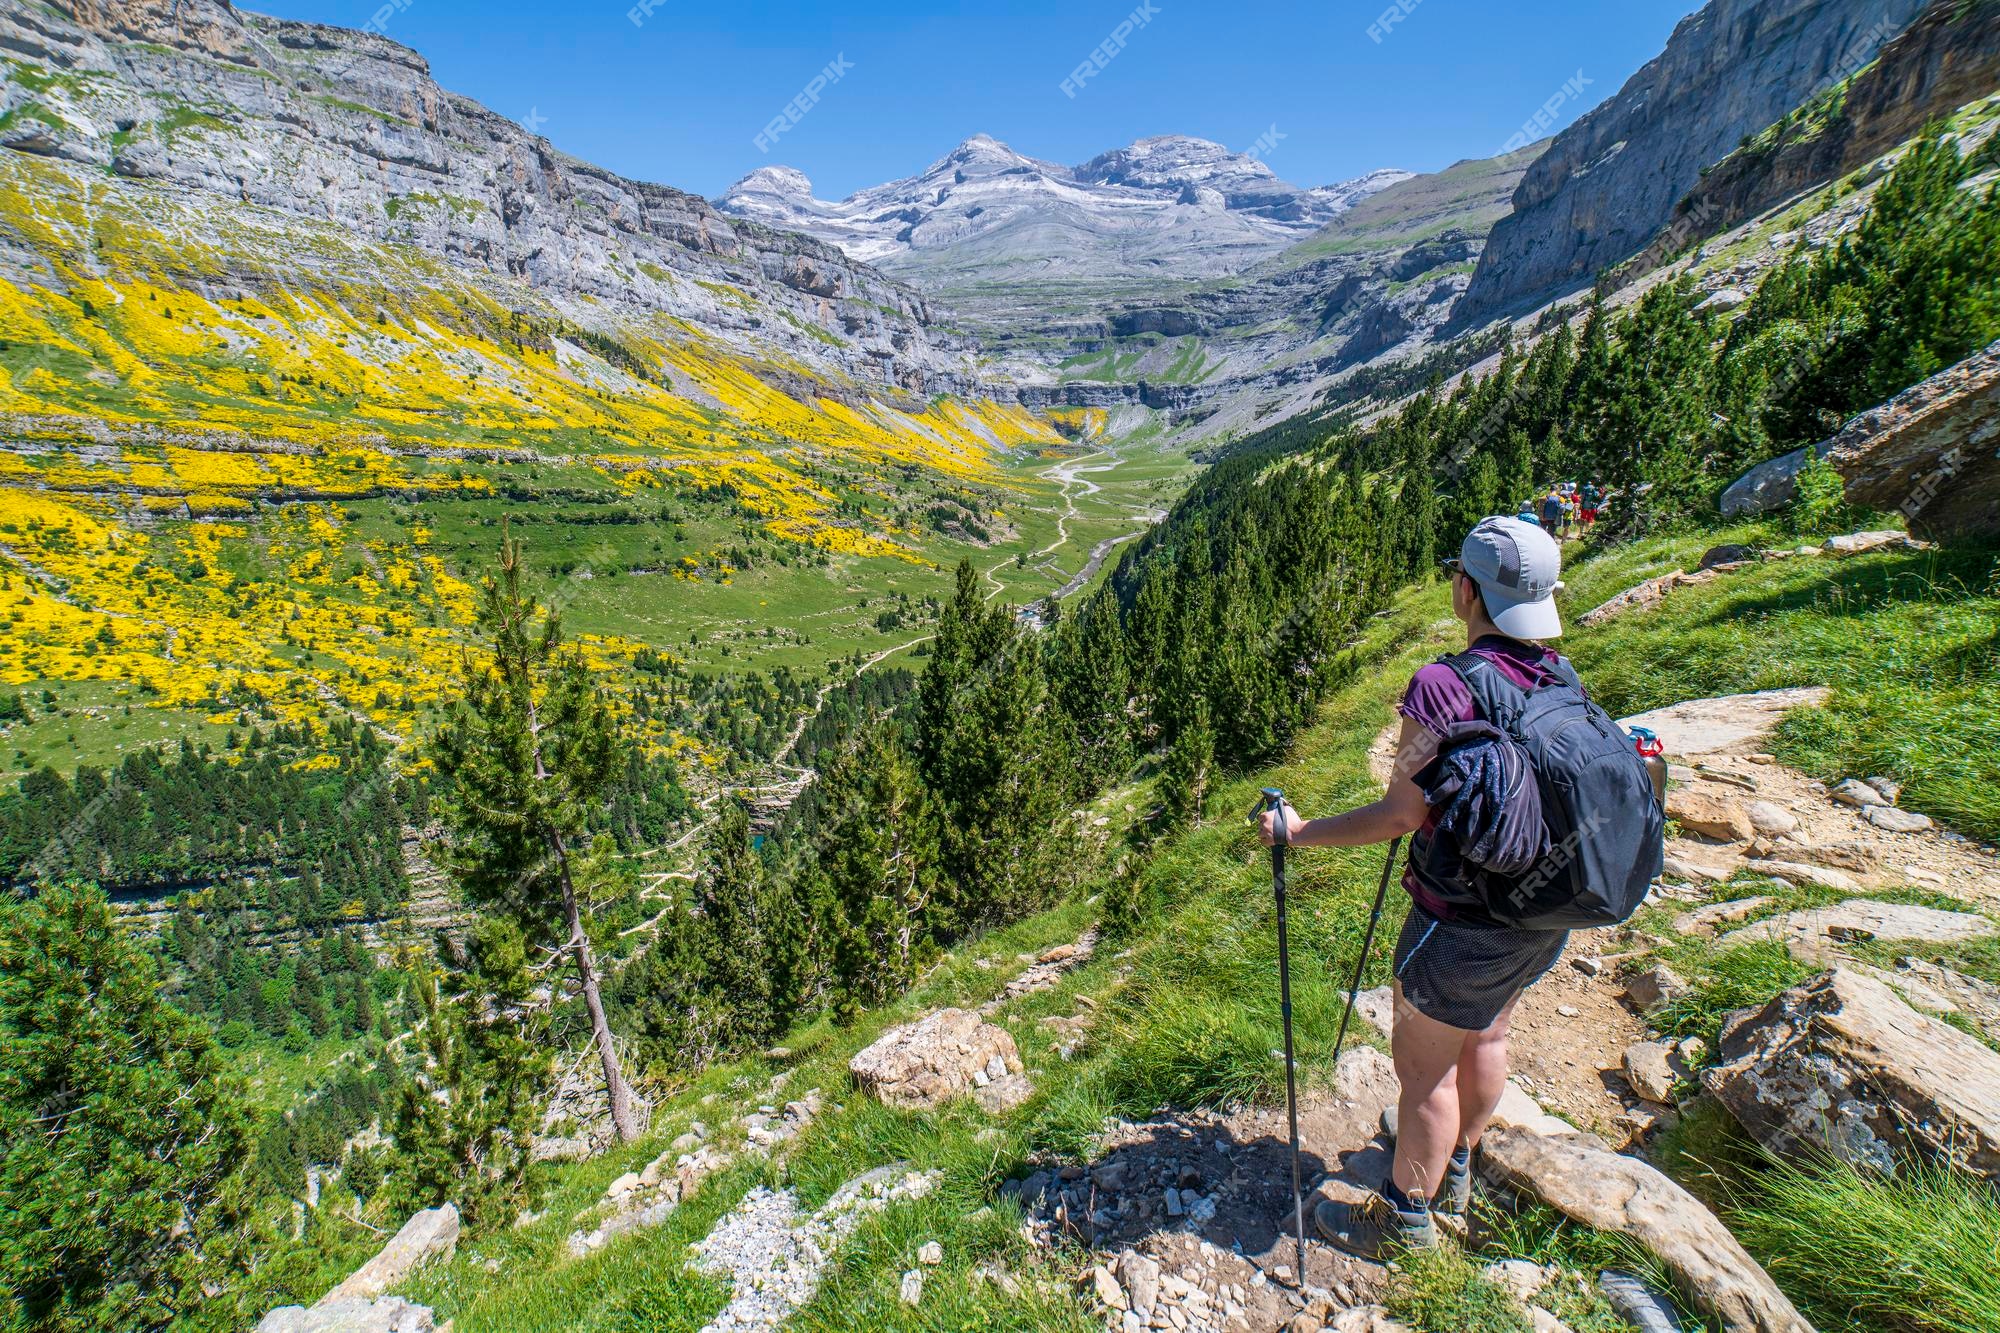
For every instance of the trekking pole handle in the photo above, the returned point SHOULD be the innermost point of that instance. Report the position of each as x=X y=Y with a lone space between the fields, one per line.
x=1273 y=798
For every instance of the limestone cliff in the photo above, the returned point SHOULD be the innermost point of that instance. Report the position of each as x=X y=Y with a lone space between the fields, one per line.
x=1611 y=180
x=194 y=100
x=1949 y=57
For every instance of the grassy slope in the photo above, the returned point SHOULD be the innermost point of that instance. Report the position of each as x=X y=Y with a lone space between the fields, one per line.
x=1470 y=195
x=1188 y=1010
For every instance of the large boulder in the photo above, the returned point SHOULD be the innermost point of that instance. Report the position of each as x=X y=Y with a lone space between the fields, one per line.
x=1768 y=486
x=1624 y=1195
x=1929 y=452
x=926 y=1063
x=391 y=1314
x=1843 y=1064
x=428 y=1235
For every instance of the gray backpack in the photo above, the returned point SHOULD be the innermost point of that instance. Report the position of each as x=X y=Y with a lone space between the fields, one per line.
x=1607 y=832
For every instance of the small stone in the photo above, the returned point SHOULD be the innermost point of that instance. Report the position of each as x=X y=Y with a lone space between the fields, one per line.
x=1858 y=794
x=1141 y=1279
x=623 y=1186
x=930 y=1254
x=1173 y=1198
x=1522 y=1278
x=1891 y=820
x=1889 y=789
x=1107 y=1288
x=912 y=1290
x=1588 y=965
x=1701 y=809
x=1568 y=1010
x=1791 y=872
x=1770 y=818
x=1649 y=1072
x=1655 y=986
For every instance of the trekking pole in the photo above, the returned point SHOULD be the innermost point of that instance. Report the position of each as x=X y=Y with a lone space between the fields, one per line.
x=1274 y=799
x=1367 y=943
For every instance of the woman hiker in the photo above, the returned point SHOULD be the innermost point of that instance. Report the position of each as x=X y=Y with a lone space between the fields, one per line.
x=1457 y=976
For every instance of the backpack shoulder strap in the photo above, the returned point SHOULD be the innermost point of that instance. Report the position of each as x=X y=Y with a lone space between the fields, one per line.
x=1498 y=699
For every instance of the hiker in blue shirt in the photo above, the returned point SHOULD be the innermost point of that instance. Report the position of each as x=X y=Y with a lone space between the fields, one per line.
x=1552 y=513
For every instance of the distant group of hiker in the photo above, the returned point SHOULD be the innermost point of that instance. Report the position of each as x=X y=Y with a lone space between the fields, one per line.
x=1530 y=813
x=1565 y=510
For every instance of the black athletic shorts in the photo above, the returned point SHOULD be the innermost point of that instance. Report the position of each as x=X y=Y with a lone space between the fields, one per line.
x=1464 y=975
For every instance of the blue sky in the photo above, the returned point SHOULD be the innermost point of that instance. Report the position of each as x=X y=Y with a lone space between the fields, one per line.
x=680 y=96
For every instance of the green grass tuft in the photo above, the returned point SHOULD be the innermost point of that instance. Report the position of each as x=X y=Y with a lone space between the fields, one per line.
x=1441 y=1291
x=1916 y=1253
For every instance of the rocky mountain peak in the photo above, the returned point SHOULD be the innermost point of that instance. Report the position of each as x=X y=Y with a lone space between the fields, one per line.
x=1170 y=161
x=1164 y=204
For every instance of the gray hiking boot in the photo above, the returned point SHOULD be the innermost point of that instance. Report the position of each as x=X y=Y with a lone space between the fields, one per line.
x=1454 y=1191
x=1375 y=1228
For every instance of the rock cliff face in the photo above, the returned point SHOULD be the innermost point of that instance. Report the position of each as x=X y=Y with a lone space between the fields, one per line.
x=196 y=99
x=1948 y=57
x=1611 y=180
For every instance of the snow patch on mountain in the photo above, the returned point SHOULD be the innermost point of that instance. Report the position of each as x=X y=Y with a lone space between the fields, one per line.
x=1169 y=205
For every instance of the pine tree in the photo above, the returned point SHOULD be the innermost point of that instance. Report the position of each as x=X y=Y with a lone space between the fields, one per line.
x=1185 y=776
x=526 y=757
x=878 y=856
x=119 y=1132
x=755 y=934
x=464 y=1121
x=969 y=635
x=1418 y=509
x=1093 y=685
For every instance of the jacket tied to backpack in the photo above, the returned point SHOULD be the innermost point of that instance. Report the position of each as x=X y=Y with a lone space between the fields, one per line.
x=1544 y=815
x=1486 y=807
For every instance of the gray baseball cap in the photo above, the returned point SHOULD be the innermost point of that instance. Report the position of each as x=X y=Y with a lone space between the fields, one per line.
x=1518 y=568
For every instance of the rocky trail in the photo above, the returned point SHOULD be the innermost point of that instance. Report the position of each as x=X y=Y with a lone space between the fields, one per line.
x=1187 y=1216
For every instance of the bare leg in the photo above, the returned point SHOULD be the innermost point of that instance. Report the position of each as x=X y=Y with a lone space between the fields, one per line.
x=1429 y=1118
x=1482 y=1076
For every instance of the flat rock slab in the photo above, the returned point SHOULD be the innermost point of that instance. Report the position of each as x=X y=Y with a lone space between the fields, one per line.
x=1727 y=724
x=1650 y=593
x=430 y=1234
x=1843 y=1064
x=391 y=1314
x=1624 y=1195
x=1813 y=932
x=1707 y=920
x=1943 y=991
x=927 y=1063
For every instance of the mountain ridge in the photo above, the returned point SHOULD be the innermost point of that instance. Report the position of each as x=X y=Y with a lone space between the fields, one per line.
x=1610 y=181
x=347 y=127
x=983 y=208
